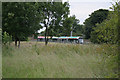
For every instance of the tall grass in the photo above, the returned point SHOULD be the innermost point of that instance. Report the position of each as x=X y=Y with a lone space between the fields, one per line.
x=34 y=60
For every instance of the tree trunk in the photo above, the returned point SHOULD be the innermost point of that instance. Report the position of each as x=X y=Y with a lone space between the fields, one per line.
x=15 y=42
x=19 y=43
x=46 y=31
x=46 y=39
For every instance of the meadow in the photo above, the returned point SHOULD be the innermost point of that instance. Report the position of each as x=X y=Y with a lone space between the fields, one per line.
x=59 y=60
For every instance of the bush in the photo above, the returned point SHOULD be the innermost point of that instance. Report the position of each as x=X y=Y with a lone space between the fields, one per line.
x=7 y=39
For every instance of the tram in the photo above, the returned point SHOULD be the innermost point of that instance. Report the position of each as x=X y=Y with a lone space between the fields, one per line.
x=64 y=39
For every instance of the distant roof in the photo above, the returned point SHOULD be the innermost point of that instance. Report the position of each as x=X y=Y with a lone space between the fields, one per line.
x=41 y=37
x=62 y=37
x=74 y=37
x=55 y=37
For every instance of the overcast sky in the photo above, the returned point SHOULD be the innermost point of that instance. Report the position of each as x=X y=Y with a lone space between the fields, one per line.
x=83 y=8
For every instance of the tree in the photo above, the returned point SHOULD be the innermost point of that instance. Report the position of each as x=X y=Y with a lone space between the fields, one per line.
x=107 y=31
x=96 y=17
x=69 y=24
x=75 y=24
x=53 y=13
x=78 y=30
x=20 y=19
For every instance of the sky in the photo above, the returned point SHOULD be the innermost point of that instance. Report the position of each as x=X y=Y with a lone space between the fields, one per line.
x=83 y=8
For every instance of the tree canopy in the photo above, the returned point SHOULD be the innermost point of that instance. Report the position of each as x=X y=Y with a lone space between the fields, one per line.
x=68 y=24
x=96 y=17
x=107 y=31
x=20 y=19
x=53 y=15
x=78 y=30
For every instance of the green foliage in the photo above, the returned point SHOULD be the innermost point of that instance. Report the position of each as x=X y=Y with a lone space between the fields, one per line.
x=20 y=19
x=68 y=24
x=96 y=17
x=7 y=39
x=107 y=32
x=78 y=30
x=53 y=14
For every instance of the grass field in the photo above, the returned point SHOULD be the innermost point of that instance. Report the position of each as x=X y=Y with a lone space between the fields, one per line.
x=35 y=60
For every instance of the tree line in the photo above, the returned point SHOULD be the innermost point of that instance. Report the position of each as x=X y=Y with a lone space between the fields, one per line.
x=103 y=26
x=23 y=19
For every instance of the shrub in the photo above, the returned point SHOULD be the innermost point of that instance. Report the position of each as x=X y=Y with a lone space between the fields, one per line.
x=7 y=39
